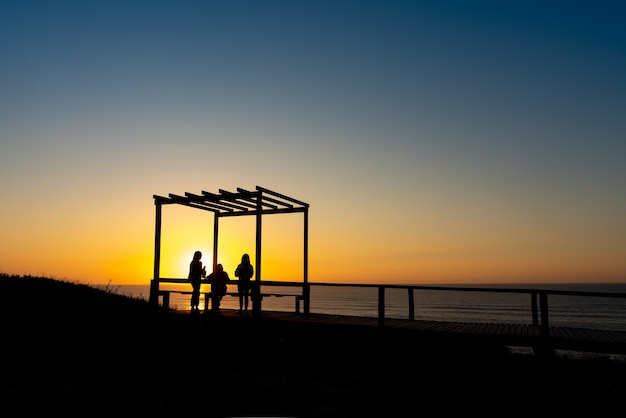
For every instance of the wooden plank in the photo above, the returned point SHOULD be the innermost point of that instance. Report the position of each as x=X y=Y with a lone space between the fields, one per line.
x=581 y=339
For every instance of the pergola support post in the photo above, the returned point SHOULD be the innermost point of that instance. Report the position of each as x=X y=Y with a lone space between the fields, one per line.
x=256 y=286
x=154 y=283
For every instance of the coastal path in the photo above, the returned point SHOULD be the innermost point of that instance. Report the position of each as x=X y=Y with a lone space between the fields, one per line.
x=539 y=334
x=517 y=335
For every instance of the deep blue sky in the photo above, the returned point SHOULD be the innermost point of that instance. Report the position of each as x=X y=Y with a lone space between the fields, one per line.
x=434 y=140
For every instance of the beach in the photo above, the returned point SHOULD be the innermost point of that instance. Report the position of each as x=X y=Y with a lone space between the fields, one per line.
x=110 y=354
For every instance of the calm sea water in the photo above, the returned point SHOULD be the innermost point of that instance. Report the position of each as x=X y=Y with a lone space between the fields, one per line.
x=436 y=305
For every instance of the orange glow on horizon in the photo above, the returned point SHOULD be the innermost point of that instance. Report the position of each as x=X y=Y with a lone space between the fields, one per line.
x=341 y=252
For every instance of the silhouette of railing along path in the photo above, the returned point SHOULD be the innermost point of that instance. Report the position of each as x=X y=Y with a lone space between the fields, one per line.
x=539 y=334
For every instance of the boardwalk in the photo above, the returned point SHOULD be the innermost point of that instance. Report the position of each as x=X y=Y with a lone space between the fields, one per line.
x=540 y=334
x=522 y=335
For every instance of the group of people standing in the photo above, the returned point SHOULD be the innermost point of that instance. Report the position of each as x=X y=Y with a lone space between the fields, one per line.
x=218 y=280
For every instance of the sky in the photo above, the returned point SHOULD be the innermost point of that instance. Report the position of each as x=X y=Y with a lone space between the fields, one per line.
x=436 y=142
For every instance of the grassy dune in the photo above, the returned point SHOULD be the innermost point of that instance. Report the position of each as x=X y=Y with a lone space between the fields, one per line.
x=71 y=349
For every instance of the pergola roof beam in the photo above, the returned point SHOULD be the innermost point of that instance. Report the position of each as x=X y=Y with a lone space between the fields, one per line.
x=269 y=199
x=222 y=203
x=282 y=196
x=232 y=198
x=192 y=205
x=201 y=205
x=243 y=202
x=255 y=199
x=264 y=212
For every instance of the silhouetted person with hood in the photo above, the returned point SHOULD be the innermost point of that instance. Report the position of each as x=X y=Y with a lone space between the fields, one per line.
x=218 y=279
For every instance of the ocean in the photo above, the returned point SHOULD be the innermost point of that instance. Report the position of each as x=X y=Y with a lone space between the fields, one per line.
x=438 y=305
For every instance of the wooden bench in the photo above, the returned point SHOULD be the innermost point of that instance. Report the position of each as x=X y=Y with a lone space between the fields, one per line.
x=298 y=298
x=208 y=296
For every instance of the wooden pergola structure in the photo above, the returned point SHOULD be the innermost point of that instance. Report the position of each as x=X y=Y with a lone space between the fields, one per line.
x=258 y=202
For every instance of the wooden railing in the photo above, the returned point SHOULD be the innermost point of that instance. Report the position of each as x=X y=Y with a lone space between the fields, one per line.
x=163 y=295
x=541 y=336
x=539 y=298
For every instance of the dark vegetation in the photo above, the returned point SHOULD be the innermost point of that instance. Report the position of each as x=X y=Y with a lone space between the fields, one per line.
x=75 y=350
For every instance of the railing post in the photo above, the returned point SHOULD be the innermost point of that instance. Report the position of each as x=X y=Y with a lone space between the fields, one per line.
x=533 y=307
x=543 y=298
x=544 y=348
x=256 y=298
x=381 y=306
x=306 y=293
x=411 y=304
x=166 y=300
x=207 y=299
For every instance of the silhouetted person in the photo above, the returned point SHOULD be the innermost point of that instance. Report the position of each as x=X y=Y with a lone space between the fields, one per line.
x=196 y=272
x=244 y=272
x=218 y=279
